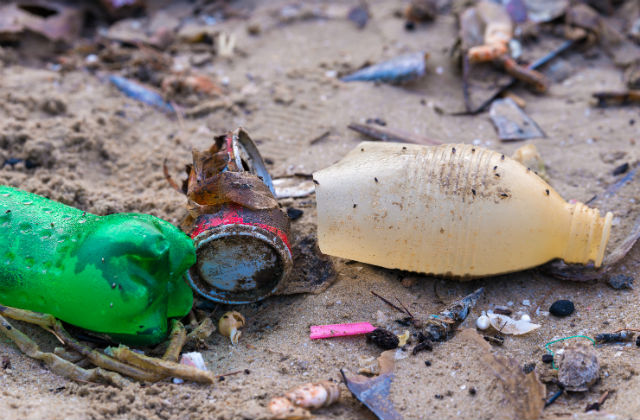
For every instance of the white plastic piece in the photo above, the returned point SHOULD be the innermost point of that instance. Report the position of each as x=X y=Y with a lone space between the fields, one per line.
x=508 y=325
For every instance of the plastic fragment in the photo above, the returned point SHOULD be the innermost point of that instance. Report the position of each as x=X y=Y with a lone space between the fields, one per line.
x=140 y=93
x=374 y=392
x=293 y=187
x=511 y=122
x=340 y=330
x=403 y=338
x=400 y=69
x=508 y=325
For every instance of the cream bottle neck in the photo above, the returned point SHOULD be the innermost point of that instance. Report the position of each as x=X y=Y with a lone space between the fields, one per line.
x=588 y=235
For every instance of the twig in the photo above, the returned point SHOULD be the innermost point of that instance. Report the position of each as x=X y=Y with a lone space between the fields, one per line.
x=235 y=372
x=627 y=329
x=169 y=179
x=404 y=307
x=391 y=135
x=321 y=137
x=389 y=303
x=596 y=405
x=617 y=98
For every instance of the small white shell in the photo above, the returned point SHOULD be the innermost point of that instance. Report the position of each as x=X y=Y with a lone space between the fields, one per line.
x=483 y=322
x=507 y=325
x=525 y=317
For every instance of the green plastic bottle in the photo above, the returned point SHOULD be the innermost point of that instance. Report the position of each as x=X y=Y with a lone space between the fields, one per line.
x=119 y=275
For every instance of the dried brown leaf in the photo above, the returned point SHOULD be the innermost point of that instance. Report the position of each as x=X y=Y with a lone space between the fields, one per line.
x=525 y=392
x=242 y=188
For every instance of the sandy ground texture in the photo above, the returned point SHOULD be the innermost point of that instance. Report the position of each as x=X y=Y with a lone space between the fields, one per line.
x=100 y=151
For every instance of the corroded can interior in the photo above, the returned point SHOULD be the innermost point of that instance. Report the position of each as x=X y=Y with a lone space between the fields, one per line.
x=238 y=263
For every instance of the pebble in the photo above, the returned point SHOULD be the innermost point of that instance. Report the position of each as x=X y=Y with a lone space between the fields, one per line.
x=483 y=322
x=621 y=281
x=529 y=367
x=547 y=358
x=294 y=213
x=562 y=308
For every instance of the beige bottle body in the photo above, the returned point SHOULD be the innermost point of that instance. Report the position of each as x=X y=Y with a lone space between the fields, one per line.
x=456 y=210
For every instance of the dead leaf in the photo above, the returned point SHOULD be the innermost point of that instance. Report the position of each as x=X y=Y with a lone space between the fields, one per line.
x=525 y=393
x=242 y=188
x=51 y=20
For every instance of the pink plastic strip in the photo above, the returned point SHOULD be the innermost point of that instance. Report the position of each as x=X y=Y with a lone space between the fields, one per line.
x=340 y=330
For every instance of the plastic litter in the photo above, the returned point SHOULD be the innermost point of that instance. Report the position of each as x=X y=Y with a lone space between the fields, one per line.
x=400 y=69
x=140 y=93
x=510 y=326
x=455 y=209
x=340 y=330
x=120 y=274
x=511 y=122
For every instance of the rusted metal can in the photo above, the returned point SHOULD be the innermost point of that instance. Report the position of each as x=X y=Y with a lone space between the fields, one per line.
x=243 y=254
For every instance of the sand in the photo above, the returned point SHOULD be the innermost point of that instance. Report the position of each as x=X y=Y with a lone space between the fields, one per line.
x=102 y=152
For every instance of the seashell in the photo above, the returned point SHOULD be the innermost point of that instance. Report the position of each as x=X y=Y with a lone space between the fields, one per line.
x=229 y=325
x=578 y=367
x=456 y=210
x=508 y=325
x=283 y=409
x=314 y=395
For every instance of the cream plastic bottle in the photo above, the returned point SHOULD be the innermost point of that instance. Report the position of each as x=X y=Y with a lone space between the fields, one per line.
x=455 y=210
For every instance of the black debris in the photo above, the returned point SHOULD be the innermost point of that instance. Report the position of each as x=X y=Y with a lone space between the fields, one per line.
x=529 y=367
x=376 y=120
x=621 y=169
x=620 y=281
x=294 y=213
x=562 y=308
x=384 y=339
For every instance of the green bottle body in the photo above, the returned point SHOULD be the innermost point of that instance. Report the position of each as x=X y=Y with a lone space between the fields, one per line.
x=119 y=275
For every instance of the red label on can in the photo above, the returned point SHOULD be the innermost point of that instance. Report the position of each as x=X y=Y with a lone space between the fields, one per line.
x=233 y=215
